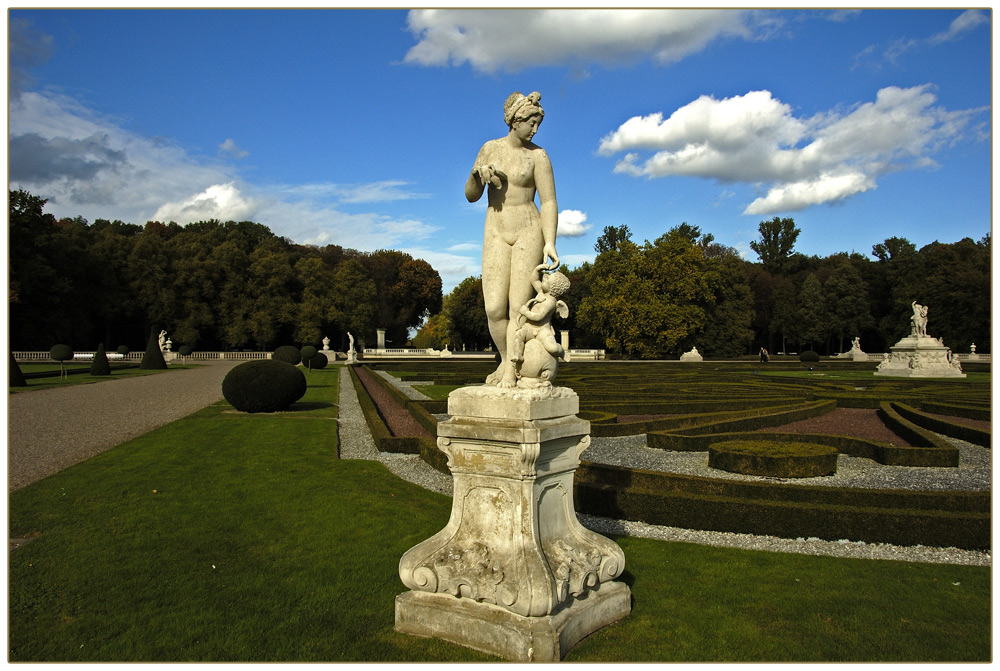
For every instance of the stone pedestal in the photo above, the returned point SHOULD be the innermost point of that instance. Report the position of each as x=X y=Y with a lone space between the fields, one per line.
x=858 y=355
x=380 y=338
x=513 y=573
x=920 y=356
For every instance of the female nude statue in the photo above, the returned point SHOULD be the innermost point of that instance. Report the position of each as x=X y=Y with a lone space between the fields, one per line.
x=518 y=235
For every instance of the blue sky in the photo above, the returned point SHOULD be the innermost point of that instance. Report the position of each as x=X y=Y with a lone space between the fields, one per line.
x=359 y=127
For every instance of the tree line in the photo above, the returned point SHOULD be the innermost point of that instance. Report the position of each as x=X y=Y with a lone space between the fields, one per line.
x=210 y=284
x=236 y=285
x=683 y=290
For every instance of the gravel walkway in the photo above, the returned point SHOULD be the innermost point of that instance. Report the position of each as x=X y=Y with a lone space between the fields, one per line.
x=973 y=474
x=51 y=429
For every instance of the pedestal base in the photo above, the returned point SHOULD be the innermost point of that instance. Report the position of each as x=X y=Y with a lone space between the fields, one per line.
x=513 y=573
x=920 y=356
x=495 y=630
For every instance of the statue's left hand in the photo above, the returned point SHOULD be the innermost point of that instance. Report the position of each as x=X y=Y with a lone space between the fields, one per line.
x=549 y=252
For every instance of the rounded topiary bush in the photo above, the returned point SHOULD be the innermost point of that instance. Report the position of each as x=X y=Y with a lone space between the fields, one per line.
x=185 y=350
x=122 y=349
x=264 y=385
x=773 y=459
x=809 y=357
x=61 y=353
x=288 y=354
x=318 y=361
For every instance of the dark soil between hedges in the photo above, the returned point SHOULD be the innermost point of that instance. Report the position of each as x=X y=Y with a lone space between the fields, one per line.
x=852 y=422
x=396 y=417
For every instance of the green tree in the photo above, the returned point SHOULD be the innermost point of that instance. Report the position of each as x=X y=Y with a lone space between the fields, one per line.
x=650 y=300
x=846 y=301
x=813 y=318
x=316 y=311
x=465 y=310
x=777 y=239
x=407 y=289
x=728 y=330
x=356 y=301
x=433 y=333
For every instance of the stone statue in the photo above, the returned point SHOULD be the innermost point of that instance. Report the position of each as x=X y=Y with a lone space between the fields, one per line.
x=326 y=343
x=351 y=348
x=856 y=343
x=919 y=319
x=163 y=340
x=352 y=356
x=534 y=350
x=518 y=236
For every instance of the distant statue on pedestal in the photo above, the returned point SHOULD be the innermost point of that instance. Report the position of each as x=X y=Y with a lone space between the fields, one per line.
x=163 y=340
x=919 y=319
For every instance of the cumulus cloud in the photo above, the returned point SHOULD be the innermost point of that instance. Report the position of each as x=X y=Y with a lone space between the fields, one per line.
x=509 y=39
x=757 y=139
x=572 y=224
x=219 y=201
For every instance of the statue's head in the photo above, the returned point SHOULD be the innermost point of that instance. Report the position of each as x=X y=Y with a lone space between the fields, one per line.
x=558 y=284
x=520 y=107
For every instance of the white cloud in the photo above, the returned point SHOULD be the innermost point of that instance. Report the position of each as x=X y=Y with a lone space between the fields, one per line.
x=229 y=147
x=756 y=139
x=965 y=21
x=373 y=192
x=572 y=224
x=87 y=165
x=512 y=39
x=219 y=201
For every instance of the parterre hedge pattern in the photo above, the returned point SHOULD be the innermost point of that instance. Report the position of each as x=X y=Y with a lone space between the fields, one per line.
x=681 y=406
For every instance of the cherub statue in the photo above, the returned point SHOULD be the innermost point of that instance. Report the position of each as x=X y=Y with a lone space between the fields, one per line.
x=534 y=349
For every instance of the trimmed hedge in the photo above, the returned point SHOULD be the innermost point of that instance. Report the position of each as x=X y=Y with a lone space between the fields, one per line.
x=883 y=453
x=152 y=358
x=809 y=357
x=938 y=425
x=937 y=449
x=100 y=365
x=773 y=459
x=264 y=385
x=15 y=376
x=957 y=519
x=318 y=361
x=288 y=354
x=968 y=412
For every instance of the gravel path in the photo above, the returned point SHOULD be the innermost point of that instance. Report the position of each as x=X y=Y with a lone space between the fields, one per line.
x=51 y=429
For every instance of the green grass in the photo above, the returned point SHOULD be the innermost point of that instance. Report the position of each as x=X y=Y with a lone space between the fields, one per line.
x=437 y=392
x=82 y=378
x=232 y=537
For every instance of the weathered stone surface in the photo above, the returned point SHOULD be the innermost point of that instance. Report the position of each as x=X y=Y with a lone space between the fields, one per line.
x=491 y=629
x=513 y=571
x=920 y=356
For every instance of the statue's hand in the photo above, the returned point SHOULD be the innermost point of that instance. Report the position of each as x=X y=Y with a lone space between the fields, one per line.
x=549 y=252
x=489 y=175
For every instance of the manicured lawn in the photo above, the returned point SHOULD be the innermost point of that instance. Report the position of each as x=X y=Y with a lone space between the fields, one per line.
x=232 y=537
x=81 y=378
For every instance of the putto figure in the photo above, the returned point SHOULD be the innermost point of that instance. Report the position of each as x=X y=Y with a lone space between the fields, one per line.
x=518 y=235
x=534 y=350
